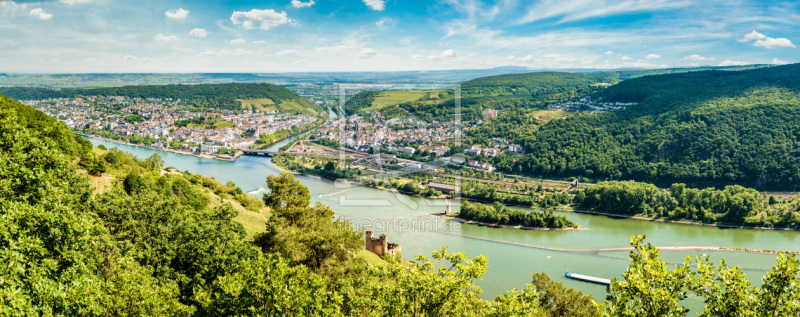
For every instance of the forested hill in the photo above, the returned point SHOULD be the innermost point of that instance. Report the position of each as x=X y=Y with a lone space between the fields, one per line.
x=50 y=128
x=501 y=92
x=207 y=96
x=529 y=84
x=629 y=74
x=709 y=128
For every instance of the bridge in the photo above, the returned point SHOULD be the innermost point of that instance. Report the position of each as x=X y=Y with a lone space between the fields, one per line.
x=260 y=152
x=272 y=153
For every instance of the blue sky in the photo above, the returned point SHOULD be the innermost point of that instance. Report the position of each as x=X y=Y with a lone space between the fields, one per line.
x=58 y=36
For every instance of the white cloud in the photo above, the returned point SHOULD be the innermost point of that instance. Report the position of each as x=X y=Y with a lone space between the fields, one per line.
x=260 y=19
x=71 y=2
x=527 y=58
x=39 y=13
x=179 y=14
x=764 y=41
x=377 y=5
x=301 y=4
x=444 y=54
x=776 y=61
x=558 y=58
x=260 y=42
x=385 y=23
x=198 y=32
x=164 y=38
x=130 y=57
x=626 y=58
x=237 y=41
x=609 y=52
x=729 y=62
x=332 y=49
x=583 y=9
x=771 y=43
x=696 y=57
x=652 y=56
x=752 y=36
x=367 y=52
x=209 y=53
x=287 y=52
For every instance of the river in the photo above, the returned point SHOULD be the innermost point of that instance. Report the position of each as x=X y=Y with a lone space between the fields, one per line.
x=513 y=253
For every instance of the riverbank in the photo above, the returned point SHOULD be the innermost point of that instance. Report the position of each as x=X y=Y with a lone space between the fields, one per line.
x=494 y=225
x=208 y=156
x=682 y=222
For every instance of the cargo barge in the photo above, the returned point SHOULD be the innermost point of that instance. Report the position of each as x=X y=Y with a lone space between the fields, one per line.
x=587 y=278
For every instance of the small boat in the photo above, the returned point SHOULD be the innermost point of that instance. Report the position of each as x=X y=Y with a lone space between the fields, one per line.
x=587 y=278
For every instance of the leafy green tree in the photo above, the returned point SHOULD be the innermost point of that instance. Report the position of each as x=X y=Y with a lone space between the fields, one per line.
x=442 y=286
x=98 y=167
x=648 y=287
x=555 y=299
x=269 y=287
x=177 y=242
x=153 y=162
x=133 y=184
x=305 y=234
x=286 y=195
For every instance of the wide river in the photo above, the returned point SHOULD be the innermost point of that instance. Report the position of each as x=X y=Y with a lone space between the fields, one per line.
x=513 y=253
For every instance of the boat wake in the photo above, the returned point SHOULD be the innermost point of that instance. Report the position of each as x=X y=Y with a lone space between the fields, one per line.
x=332 y=194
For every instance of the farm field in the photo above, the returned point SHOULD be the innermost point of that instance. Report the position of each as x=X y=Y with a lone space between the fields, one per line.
x=261 y=104
x=218 y=124
x=543 y=116
x=392 y=98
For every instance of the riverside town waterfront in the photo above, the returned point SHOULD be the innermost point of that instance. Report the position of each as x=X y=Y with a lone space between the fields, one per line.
x=599 y=250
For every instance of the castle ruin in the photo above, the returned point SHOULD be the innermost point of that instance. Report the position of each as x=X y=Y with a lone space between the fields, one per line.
x=380 y=245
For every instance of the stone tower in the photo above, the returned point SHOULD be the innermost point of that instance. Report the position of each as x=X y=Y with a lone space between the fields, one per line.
x=380 y=245
x=447 y=210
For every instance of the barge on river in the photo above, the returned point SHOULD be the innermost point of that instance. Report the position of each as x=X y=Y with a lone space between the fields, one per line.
x=587 y=278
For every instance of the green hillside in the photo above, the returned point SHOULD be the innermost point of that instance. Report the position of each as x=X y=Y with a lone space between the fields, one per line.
x=501 y=92
x=205 y=96
x=46 y=126
x=130 y=239
x=630 y=74
x=709 y=128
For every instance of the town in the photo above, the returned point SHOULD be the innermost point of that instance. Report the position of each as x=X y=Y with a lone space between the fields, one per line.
x=166 y=124
x=414 y=139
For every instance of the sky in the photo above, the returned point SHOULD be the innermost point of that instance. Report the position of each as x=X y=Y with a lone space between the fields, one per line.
x=117 y=36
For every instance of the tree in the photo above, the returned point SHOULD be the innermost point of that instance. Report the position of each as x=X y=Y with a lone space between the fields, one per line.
x=555 y=299
x=648 y=287
x=442 y=286
x=133 y=184
x=269 y=287
x=286 y=194
x=98 y=167
x=305 y=234
x=153 y=162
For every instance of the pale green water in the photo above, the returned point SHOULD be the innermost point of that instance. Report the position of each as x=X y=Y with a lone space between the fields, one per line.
x=510 y=266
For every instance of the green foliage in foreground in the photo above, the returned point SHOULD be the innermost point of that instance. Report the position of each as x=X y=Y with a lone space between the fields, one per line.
x=734 y=205
x=498 y=214
x=650 y=288
x=151 y=246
